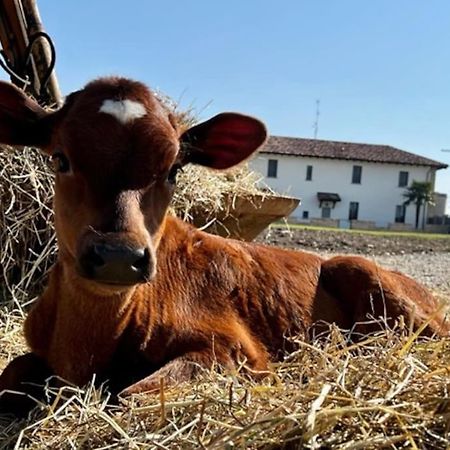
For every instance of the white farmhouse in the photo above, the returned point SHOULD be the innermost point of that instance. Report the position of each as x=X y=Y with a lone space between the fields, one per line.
x=345 y=184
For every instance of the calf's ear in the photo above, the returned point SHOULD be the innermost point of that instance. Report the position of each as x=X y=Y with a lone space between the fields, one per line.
x=22 y=120
x=223 y=141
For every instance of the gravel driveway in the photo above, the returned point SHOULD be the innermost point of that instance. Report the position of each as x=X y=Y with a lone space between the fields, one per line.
x=431 y=269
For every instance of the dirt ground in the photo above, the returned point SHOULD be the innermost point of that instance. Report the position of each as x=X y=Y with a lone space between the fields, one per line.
x=330 y=241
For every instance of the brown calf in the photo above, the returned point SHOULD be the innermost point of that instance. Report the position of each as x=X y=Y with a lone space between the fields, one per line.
x=137 y=295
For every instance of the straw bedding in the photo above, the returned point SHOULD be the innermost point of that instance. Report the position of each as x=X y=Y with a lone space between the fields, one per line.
x=389 y=391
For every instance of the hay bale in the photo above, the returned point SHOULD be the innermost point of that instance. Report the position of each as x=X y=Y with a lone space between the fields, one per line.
x=27 y=237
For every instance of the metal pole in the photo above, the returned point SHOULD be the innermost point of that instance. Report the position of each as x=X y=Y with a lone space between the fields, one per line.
x=41 y=50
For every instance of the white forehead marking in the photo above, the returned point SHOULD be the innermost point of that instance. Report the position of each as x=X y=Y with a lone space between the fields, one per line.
x=123 y=110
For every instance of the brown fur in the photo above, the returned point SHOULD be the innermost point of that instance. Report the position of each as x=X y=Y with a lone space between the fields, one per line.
x=208 y=299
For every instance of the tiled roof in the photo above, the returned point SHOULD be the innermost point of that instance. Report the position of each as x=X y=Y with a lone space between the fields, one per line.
x=345 y=150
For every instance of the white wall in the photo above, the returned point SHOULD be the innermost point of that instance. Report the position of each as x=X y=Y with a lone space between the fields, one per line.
x=438 y=209
x=377 y=195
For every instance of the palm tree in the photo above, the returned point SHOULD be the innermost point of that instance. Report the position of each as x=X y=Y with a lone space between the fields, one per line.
x=420 y=193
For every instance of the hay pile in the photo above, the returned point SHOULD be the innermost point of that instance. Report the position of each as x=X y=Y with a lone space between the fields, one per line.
x=390 y=391
x=211 y=192
x=27 y=238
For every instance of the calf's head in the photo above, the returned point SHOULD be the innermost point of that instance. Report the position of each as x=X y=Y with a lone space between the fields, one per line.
x=116 y=152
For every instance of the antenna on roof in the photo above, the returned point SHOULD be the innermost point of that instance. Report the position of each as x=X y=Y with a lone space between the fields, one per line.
x=316 y=122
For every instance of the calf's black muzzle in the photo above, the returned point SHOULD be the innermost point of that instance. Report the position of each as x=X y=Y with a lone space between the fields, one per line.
x=116 y=263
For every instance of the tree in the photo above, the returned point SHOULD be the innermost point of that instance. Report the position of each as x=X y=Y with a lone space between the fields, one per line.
x=419 y=193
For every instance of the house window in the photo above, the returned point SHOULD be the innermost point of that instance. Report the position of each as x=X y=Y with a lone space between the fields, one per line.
x=356 y=174
x=309 y=170
x=353 y=211
x=400 y=212
x=326 y=212
x=272 y=168
x=403 y=179
x=305 y=214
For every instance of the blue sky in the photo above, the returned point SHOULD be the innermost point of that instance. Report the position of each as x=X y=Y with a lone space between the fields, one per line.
x=381 y=69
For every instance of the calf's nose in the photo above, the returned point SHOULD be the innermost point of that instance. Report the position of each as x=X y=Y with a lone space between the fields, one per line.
x=116 y=264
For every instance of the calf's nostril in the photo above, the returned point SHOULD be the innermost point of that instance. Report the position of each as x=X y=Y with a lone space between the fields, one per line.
x=95 y=256
x=143 y=260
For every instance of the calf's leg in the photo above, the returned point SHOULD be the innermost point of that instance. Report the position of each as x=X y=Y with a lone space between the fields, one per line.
x=367 y=290
x=184 y=367
x=179 y=370
x=22 y=382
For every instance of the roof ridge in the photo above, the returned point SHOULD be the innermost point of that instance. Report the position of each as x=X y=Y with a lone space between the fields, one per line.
x=328 y=141
x=382 y=153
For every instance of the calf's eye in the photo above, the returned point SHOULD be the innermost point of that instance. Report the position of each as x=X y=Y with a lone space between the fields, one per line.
x=172 y=176
x=60 y=162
